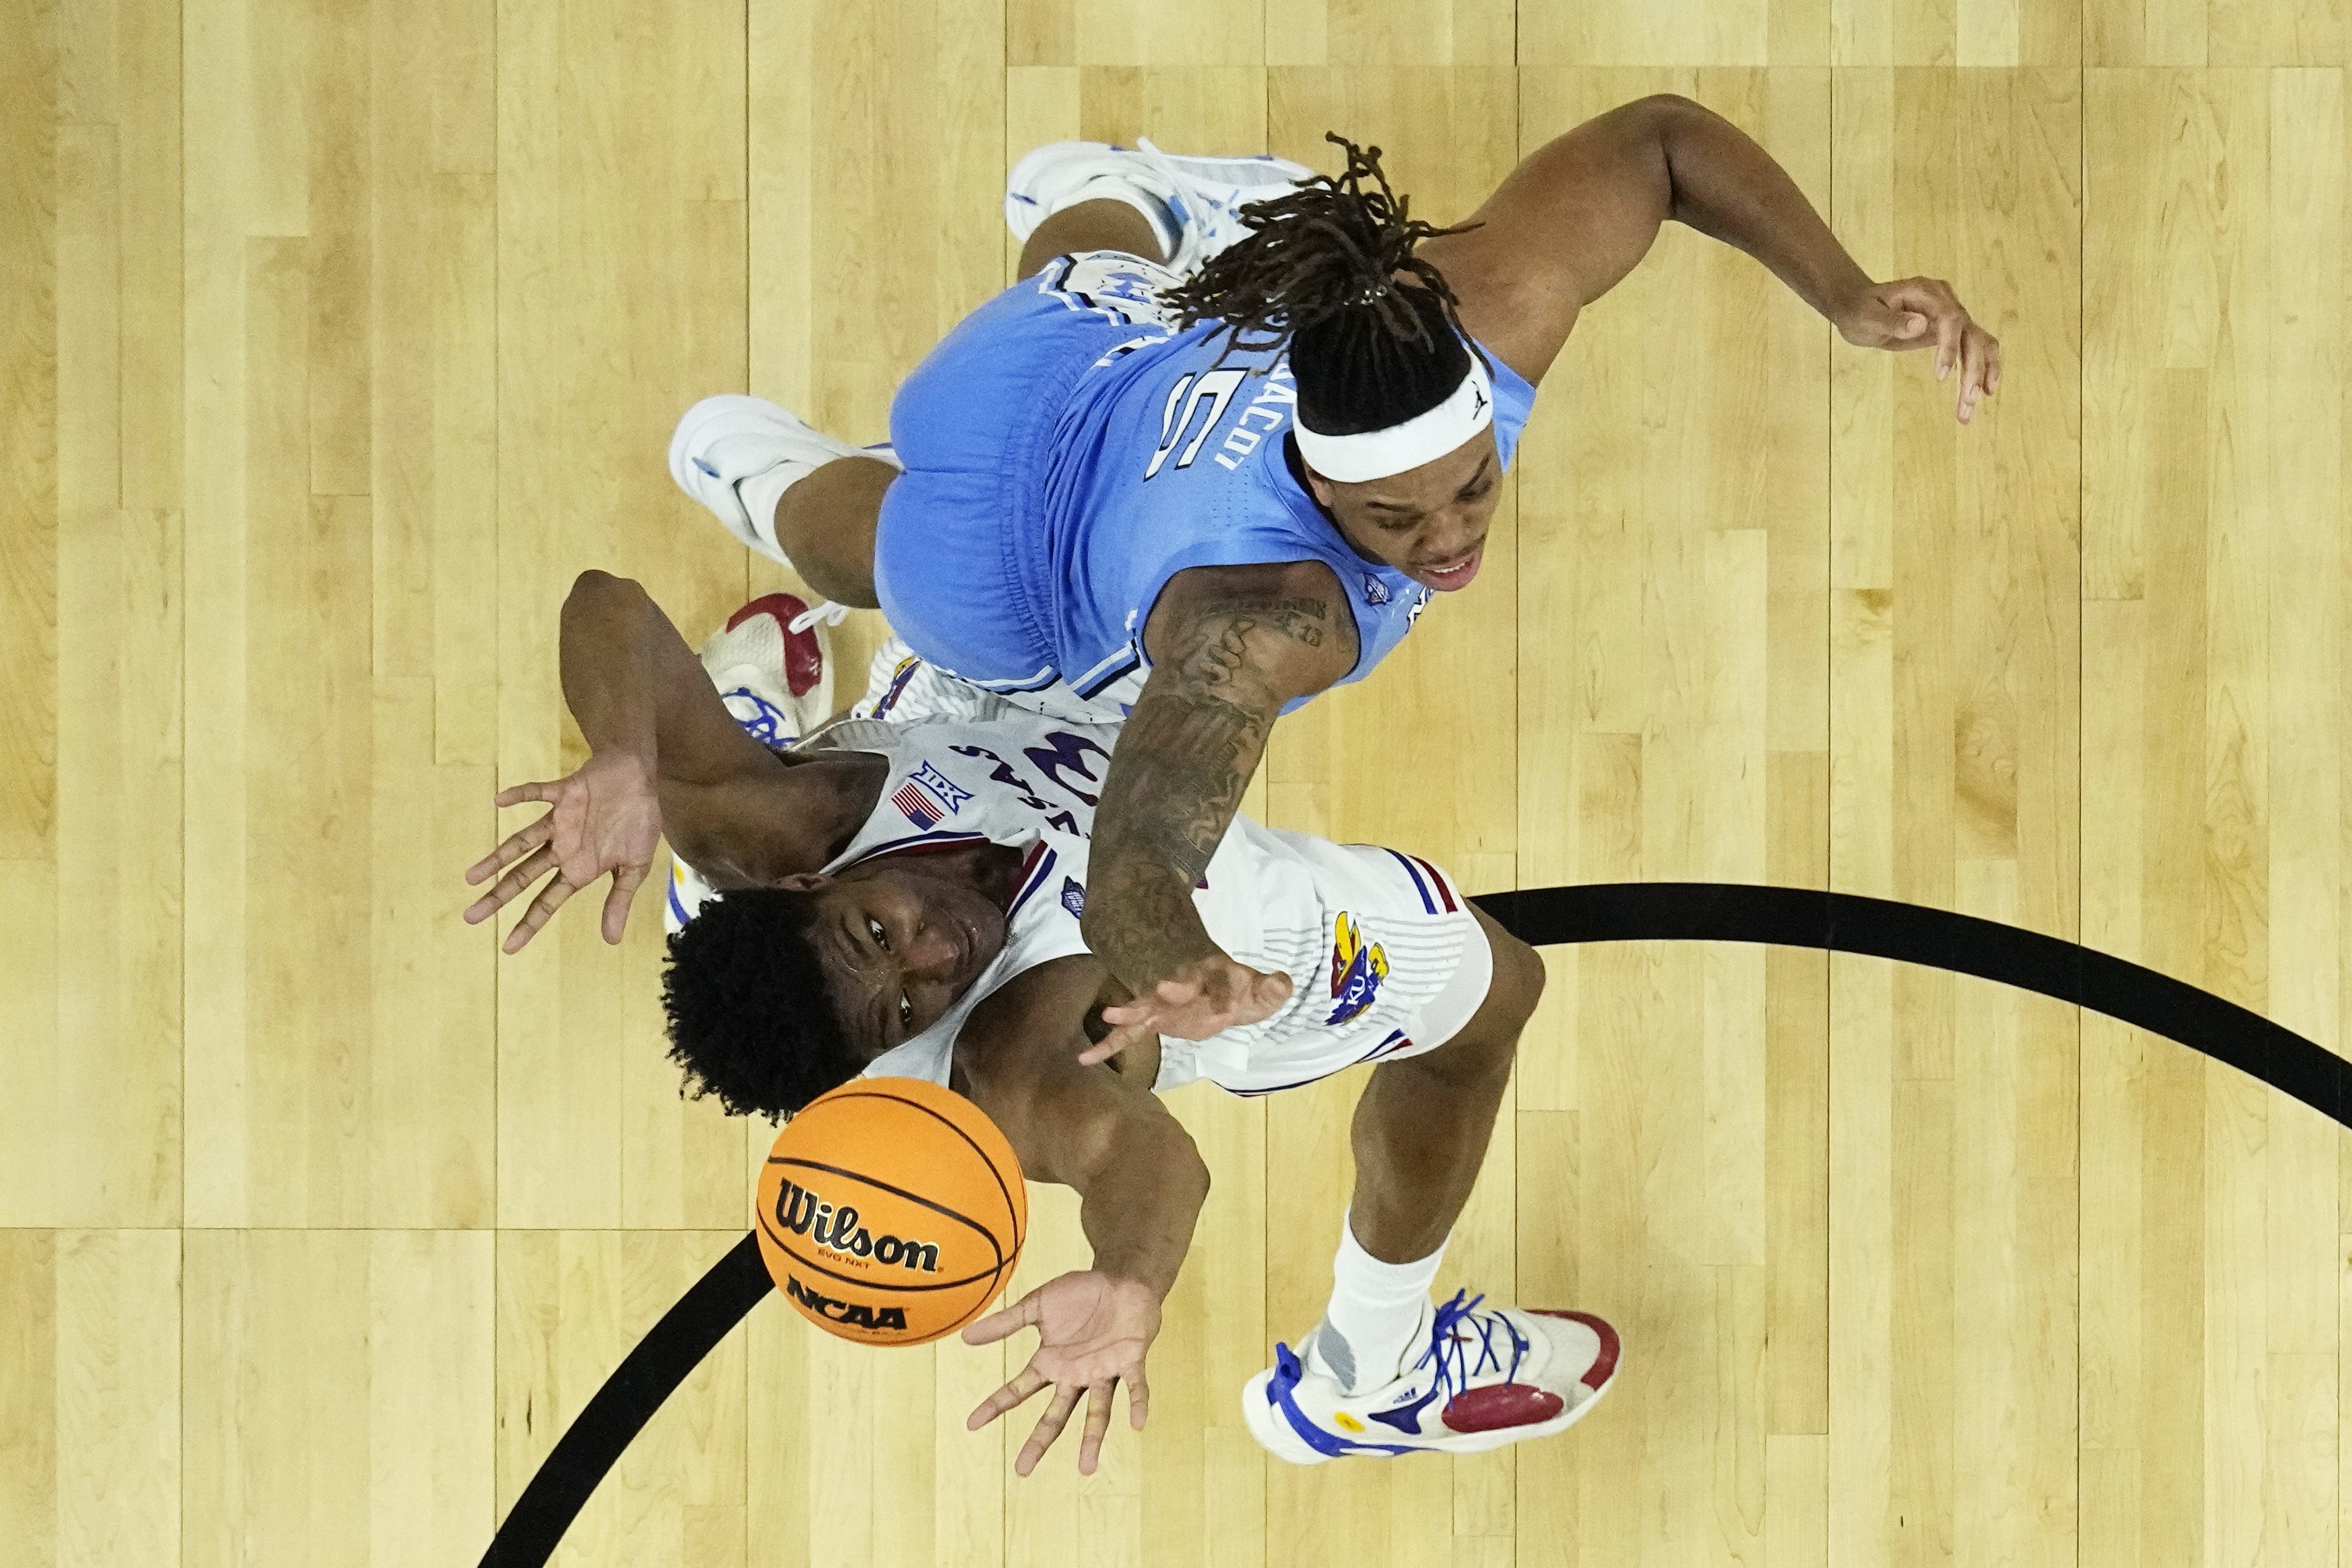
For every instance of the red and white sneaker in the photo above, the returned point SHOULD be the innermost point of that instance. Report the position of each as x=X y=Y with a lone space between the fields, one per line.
x=773 y=667
x=1195 y=203
x=1487 y=1376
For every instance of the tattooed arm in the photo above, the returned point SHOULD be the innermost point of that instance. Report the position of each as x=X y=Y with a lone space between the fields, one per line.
x=1228 y=645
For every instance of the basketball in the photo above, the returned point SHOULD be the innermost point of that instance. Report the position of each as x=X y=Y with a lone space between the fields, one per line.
x=891 y=1211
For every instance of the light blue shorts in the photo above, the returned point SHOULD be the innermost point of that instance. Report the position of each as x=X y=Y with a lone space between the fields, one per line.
x=962 y=558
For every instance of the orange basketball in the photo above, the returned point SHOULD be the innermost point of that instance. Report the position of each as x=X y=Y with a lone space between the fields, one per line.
x=891 y=1211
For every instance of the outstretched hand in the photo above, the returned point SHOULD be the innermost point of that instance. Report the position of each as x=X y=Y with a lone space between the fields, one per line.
x=1093 y=1331
x=1205 y=998
x=1913 y=312
x=606 y=819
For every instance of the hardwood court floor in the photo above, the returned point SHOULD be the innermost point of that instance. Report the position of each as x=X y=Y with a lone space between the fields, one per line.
x=337 y=339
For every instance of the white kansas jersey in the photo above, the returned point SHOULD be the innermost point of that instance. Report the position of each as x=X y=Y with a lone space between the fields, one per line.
x=1383 y=957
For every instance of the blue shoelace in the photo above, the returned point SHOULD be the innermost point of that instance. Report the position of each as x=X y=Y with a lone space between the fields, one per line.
x=1450 y=1352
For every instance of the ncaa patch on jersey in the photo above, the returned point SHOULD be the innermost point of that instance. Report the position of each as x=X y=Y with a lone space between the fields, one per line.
x=1074 y=897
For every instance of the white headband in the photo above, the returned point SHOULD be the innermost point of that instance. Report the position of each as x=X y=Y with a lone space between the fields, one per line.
x=1424 y=438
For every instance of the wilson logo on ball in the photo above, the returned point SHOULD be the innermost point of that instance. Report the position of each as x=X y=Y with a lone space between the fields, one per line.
x=856 y=1314
x=804 y=1213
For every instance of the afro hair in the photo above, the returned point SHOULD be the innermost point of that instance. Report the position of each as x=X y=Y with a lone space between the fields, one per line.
x=750 y=1018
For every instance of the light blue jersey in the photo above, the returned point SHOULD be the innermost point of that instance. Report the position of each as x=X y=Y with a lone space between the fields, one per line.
x=1067 y=451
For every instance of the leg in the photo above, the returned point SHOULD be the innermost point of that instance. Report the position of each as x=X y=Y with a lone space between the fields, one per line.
x=826 y=521
x=1387 y=1369
x=826 y=524
x=1423 y=1124
x=1104 y=225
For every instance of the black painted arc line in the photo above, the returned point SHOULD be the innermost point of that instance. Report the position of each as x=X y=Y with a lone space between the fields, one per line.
x=669 y=1354
x=1541 y=917
x=1940 y=939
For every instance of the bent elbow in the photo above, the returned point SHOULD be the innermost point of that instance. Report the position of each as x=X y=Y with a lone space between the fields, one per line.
x=1666 y=107
x=595 y=580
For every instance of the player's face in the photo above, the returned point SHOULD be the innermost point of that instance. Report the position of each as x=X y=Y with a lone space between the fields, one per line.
x=899 y=946
x=1428 y=522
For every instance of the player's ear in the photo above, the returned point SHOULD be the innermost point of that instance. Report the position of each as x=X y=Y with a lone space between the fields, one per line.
x=1321 y=488
x=803 y=882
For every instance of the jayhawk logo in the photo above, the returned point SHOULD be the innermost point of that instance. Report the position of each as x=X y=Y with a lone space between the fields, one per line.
x=1357 y=969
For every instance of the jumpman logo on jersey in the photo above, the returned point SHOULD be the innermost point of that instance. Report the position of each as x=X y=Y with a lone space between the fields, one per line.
x=1126 y=286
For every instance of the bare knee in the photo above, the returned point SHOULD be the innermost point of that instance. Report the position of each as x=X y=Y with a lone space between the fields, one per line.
x=1101 y=225
x=828 y=524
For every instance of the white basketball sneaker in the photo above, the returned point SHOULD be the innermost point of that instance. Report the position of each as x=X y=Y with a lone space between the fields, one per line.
x=1487 y=1377
x=1198 y=201
x=773 y=667
x=732 y=447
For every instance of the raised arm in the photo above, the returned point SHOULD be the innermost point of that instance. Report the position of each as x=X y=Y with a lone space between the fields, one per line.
x=1229 y=646
x=1580 y=211
x=1140 y=1185
x=664 y=756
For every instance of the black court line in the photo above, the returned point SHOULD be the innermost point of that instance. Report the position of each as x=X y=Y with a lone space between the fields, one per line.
x=1934 y=938
x=1542 y=917
x=593 y=1444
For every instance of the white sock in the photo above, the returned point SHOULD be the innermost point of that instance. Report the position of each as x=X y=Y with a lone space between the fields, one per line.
x=1111 y=188
x=1375 y=1308
x=760 y=493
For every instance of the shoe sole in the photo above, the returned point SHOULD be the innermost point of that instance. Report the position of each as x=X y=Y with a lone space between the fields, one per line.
x=1274 y=1435
x=1018 y=206
x=691 y=424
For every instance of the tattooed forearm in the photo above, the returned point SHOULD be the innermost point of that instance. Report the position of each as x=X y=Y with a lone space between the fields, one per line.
x=1183 y=759
x=1176 y=777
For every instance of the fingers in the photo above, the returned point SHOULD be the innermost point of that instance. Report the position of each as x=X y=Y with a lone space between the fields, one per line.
x=1049 y=1426
x=625 y=883
x=512 y=883
x=1961 y=345
x=1986 y=375
x=543 y=909
x=515 y=794
x=1110 y=1045
x=1004 y=1322
x=1951 y=326
x=1273 y=991
x=1090 y=1441
x=516 y=844
x=1979 y=370
x=1028 y=1380
x=1139 y=1398
x=1145 y=1012
x=1891 y=325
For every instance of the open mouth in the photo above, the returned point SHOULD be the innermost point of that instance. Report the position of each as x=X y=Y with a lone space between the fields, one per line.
x=1447 y=579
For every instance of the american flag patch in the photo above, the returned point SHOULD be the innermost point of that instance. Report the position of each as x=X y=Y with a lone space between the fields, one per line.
x=920 y=805
x=929 y=798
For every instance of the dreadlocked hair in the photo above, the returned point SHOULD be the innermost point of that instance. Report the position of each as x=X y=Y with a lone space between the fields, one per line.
x=750 y=1018
x=1373 y=330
